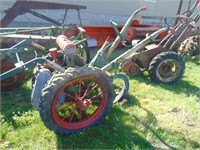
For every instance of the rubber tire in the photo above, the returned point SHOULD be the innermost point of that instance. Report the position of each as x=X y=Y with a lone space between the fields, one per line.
x=154 y=64
x=57 y=81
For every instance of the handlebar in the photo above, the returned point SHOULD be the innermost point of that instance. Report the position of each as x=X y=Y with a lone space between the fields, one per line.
x=182 y=17
x=122 y=34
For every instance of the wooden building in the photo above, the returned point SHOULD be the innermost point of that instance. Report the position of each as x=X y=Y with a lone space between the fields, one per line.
x=99 y=12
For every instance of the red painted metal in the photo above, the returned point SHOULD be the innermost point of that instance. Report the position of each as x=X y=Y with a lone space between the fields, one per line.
x=53 y=52
x=67 y=46
x=132 y=33
x=100 y=33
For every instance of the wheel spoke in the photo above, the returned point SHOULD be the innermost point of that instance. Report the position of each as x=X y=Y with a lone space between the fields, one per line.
x=92 y=89
x=65 y=107
x=70 y=113
x=75 y=93
x=71 y=103
x=92 y=108
x=72 y=117
x=95 y=97
x=80 y=86
x=69 y=95
x=86 y=114
x=85 y=93
x=88 y=91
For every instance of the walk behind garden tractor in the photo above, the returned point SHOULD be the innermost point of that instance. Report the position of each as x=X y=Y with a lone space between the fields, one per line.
x=72 y=98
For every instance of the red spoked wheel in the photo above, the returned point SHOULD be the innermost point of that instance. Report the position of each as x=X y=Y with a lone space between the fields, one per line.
x=79 y=102
x=76 y=100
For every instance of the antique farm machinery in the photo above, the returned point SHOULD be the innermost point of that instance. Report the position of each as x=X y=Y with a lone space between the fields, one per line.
x=162 y=60
x=44 y=36
x=73 y=98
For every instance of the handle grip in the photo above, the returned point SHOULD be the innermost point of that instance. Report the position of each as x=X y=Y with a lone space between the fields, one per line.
x=144 y=8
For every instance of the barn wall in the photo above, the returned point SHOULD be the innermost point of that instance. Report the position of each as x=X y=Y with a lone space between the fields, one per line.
x=99 y=12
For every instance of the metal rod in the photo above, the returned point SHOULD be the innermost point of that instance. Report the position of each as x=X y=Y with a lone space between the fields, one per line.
x=138 y=46
x=124 y=30
x=178 y=12
x=44 y=17
x=18 y=69
x=64 y=18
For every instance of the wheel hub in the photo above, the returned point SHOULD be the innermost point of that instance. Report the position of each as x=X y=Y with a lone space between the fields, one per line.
x=168 y=70
x=165 y=68
x=83 y=104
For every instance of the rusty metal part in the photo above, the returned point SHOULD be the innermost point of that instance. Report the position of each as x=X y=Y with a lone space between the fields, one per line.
x=12 y=82
x=130 y=68
x=190 y=46
x=141 y=31
x=132 y=33
x=25 y=6
x=144 y=57
x=24 y=36
x=178 y=11
x=72 y=31
x=67 y=46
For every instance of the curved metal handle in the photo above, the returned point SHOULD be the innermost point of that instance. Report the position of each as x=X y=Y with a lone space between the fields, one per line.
x=121 y=36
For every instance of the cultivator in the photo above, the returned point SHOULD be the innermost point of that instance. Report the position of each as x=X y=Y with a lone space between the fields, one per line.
x=72 y=98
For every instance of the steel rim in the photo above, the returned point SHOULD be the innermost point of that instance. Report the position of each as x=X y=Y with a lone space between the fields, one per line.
x=168 y=70
x=79 y=103
x=82 y=52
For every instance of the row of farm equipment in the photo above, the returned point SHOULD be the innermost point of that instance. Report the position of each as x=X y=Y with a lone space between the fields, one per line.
x=70 y=92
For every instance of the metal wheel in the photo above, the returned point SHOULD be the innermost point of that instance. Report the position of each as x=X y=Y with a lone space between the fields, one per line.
x=167 y=67
x=84 y=52
x=78 y=102
x=14 y=81
x=75 y=101
x=168 y=70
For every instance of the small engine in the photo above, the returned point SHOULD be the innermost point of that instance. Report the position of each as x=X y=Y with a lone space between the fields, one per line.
x=130 y=68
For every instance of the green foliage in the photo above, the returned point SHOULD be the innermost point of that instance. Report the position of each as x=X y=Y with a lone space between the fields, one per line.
x=151 y=117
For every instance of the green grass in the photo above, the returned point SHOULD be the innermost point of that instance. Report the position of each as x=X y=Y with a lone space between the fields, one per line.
x=153 y=116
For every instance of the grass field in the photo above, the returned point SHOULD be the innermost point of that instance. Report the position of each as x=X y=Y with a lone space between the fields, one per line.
x=151 y=117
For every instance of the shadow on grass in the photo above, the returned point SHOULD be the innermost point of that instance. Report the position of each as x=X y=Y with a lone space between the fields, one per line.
x=112 y=133
x=169 y=139
x=116 y=132
x=14 y=103
x=150 y=122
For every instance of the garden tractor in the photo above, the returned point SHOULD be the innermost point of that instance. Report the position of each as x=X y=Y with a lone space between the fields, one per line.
x=72 y=98
x=162 y=60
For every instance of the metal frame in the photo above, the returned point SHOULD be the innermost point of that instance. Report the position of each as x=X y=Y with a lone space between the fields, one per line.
x=26 y=6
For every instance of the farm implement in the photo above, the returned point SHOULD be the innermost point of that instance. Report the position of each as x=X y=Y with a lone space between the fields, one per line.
x=72 y=97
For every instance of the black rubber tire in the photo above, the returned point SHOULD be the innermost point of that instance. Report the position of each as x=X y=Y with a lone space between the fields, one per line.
x=50 y=98
x=165 y=62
